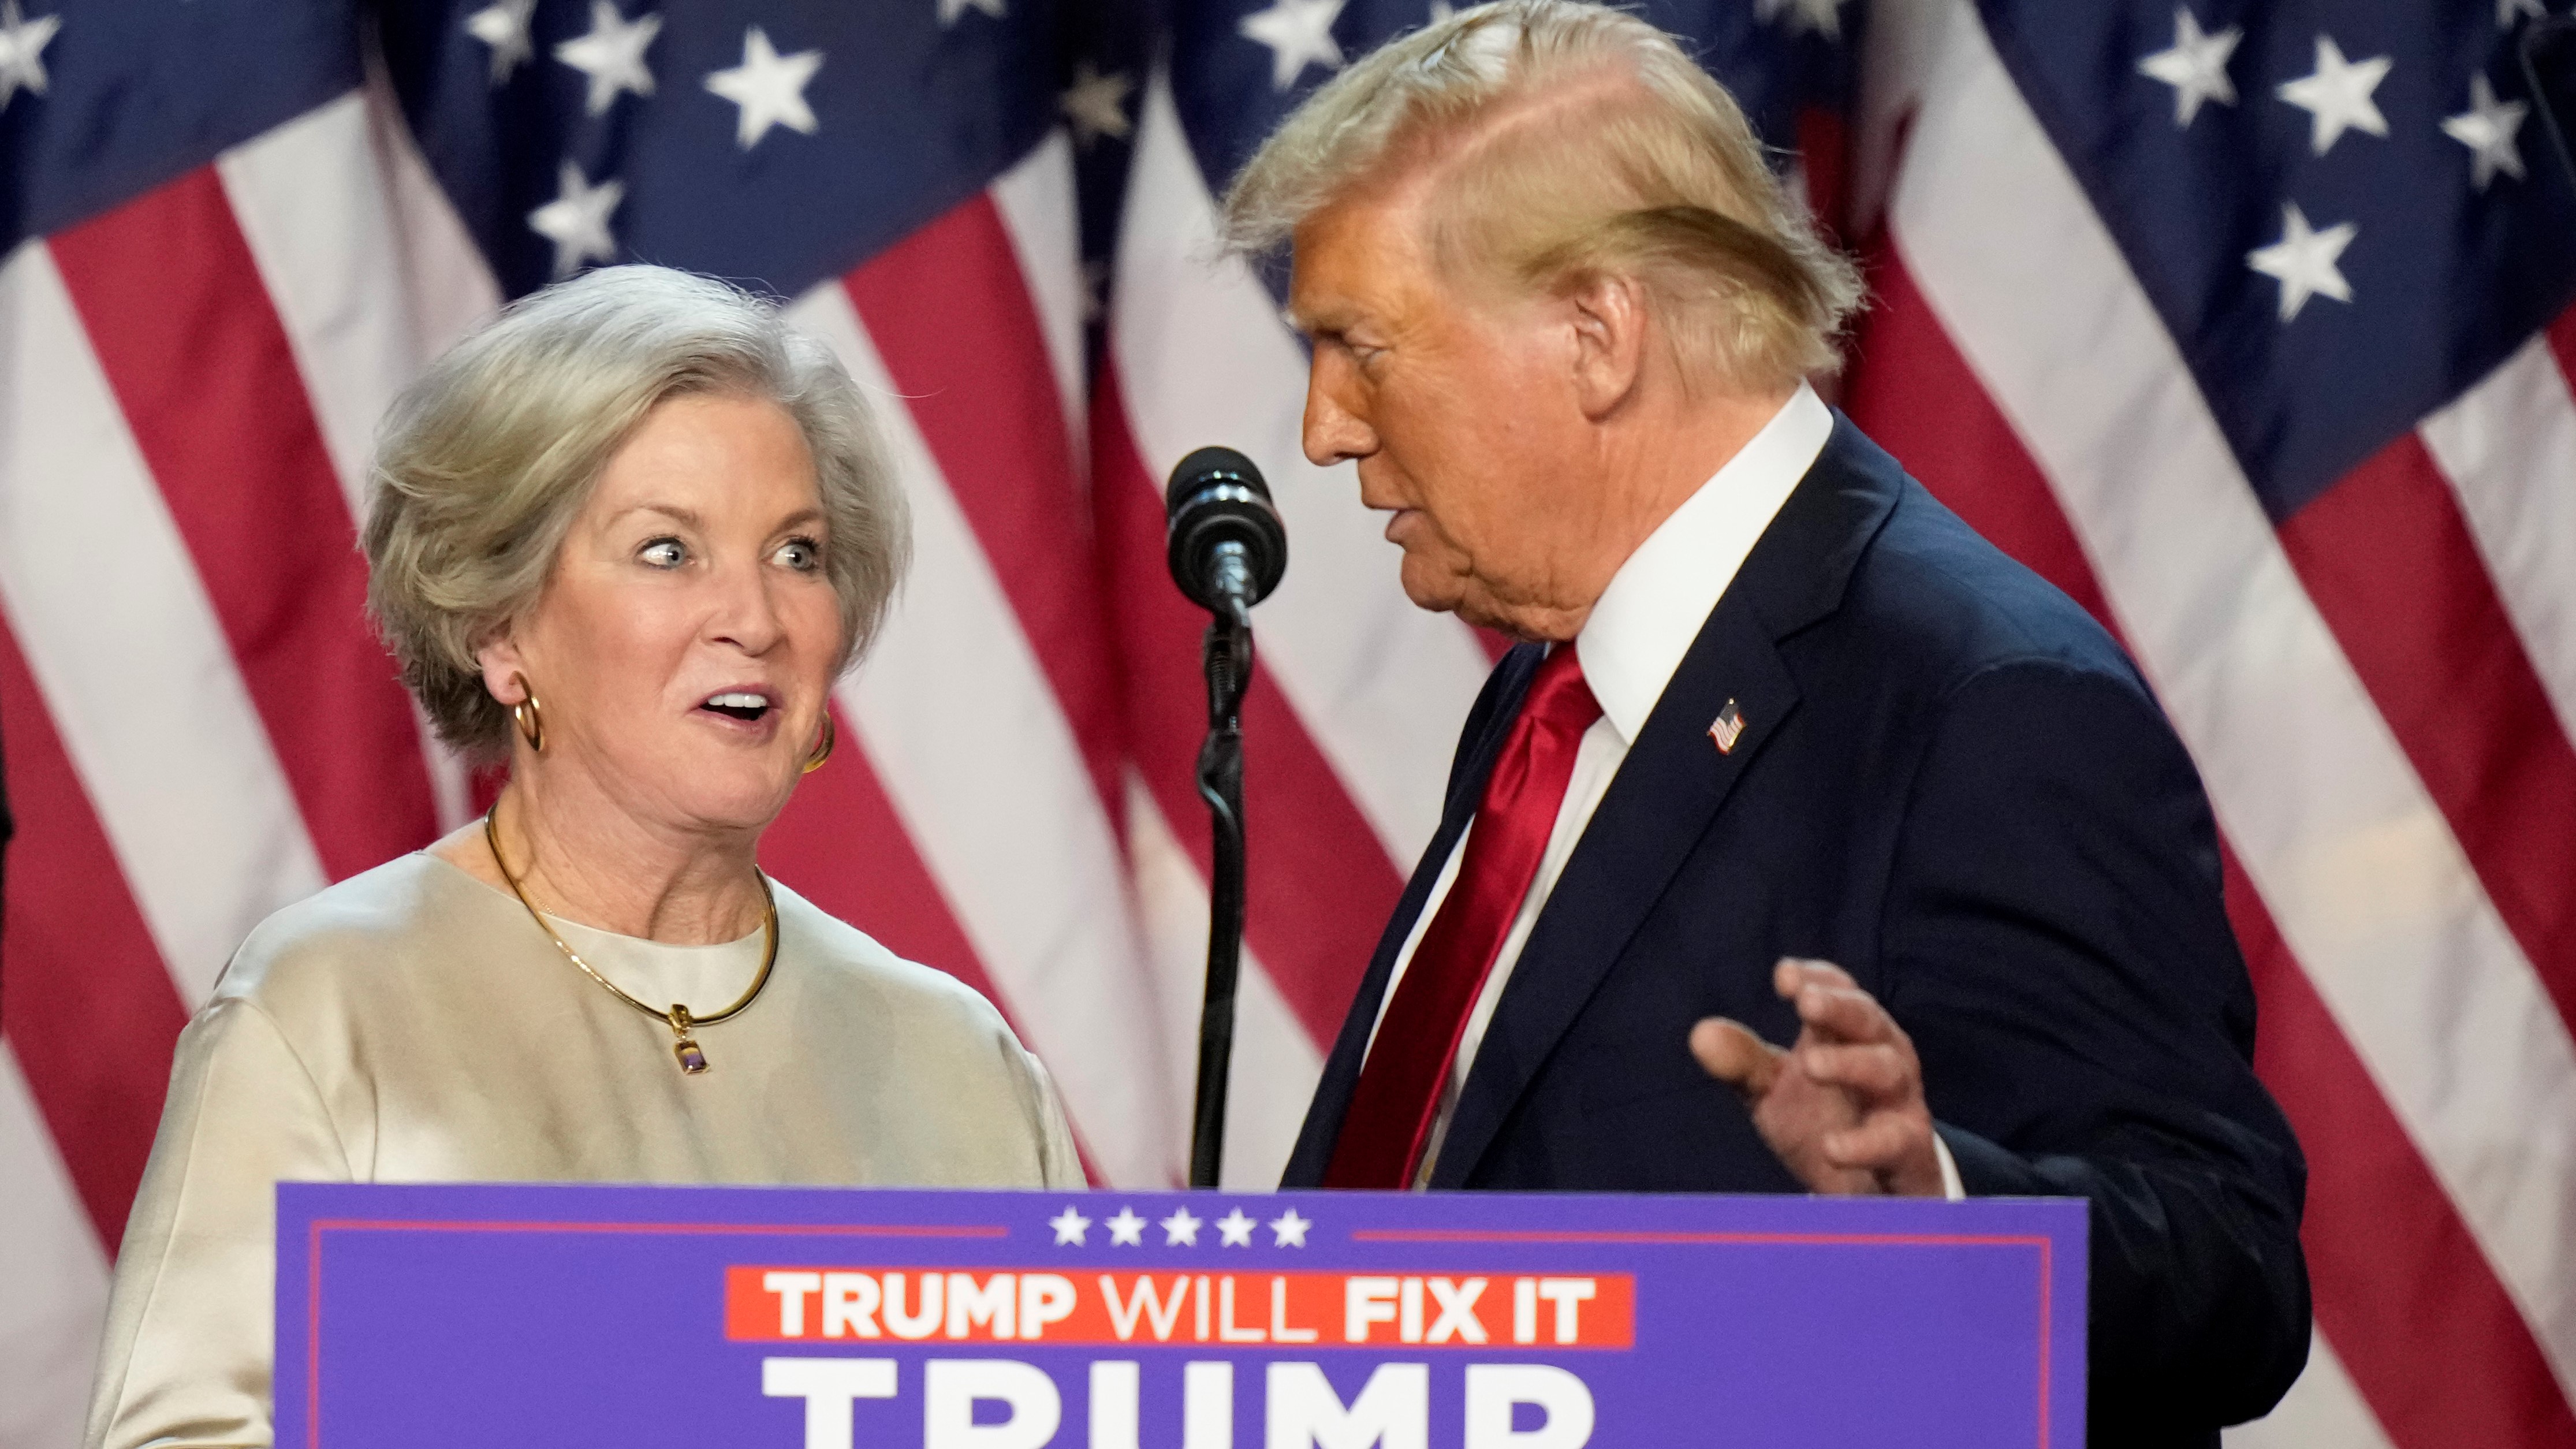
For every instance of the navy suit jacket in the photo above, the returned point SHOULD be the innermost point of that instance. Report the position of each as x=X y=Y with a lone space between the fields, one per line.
x=1954 y=784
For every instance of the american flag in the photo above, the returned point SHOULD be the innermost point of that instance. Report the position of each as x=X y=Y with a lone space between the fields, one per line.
x=2244 y=320
x=2248 y=324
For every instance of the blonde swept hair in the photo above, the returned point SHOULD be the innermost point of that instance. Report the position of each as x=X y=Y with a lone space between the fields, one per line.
x=1565 y=141
x=483 y=462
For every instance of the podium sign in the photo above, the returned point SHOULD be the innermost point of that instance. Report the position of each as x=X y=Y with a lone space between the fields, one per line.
x=412 y=1317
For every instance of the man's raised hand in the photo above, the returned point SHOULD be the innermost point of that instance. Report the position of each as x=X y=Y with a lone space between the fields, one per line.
x=1843 y=1108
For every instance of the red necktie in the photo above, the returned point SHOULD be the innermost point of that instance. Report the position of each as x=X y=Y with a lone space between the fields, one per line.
x=1417 y=1042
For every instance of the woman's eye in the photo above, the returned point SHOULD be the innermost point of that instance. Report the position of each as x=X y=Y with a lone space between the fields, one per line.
x=665 y=553
x=800 y=554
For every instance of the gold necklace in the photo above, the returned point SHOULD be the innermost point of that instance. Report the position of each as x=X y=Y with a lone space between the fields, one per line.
x=693 y=1058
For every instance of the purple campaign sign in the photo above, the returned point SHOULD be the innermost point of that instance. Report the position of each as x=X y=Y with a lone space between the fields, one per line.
x=428 y=1317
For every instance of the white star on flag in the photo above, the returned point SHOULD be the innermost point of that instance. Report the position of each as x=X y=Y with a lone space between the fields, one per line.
x=1070 y=1226
x=1126 y=1229
x=769 y=88
x=1180 y=1229
x=503 y=25
x=576 y=221
x=951 y=10
x=1299 y=34
x=612 y=55
x=1096 y=104
x=2509 y=11
x=22 y=51
x=2196 y=67
x=1234 y=1230
x=2336 y=95
x=1289 y=1230
x=1824 y=16
x=2303 y=261
x=2488 y=128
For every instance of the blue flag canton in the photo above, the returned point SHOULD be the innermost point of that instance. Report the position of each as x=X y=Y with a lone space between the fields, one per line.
x=2346 y=214
x=101 y=103
x=1239 y=67
x=775 y=141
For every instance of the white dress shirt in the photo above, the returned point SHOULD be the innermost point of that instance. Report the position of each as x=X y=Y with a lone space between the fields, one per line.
x=1634 y=639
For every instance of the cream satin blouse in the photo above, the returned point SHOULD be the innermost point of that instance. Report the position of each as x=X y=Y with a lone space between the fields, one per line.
x=413 y=1025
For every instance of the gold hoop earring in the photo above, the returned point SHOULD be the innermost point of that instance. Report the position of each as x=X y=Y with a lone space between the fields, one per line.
x=529 y=716
x=823 y=747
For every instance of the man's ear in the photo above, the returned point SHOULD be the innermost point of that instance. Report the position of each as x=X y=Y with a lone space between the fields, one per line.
x=1608 y=314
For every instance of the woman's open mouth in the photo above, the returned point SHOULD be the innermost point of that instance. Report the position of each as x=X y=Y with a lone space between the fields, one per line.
x=739 y=704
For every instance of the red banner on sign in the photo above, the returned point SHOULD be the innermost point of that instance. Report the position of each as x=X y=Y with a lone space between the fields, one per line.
x=1355 y=1310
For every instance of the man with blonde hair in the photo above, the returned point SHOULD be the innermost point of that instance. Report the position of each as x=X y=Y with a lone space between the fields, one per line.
x=1789 y=753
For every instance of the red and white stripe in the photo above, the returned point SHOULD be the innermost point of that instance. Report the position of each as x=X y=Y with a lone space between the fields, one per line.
x=199 y=727
x=1355 y=709
x=2376 y=694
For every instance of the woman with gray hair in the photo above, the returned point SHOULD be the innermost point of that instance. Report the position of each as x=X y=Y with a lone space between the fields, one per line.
x=625 y=537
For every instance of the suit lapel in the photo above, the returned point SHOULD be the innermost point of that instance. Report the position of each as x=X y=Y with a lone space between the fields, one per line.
x=1667 y=791
x=1675 y=779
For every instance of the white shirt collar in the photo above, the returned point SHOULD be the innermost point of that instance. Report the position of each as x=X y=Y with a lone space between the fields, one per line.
x=1646 y=619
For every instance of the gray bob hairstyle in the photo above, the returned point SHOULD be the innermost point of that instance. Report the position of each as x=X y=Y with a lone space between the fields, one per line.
x=483 y=463
x=1566 y=141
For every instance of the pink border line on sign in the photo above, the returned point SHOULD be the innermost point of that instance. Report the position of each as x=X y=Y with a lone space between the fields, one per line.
x=2047 y=1257
x=319 y=1226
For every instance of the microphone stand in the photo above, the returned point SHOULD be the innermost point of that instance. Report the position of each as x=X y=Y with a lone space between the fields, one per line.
x=1228 y=661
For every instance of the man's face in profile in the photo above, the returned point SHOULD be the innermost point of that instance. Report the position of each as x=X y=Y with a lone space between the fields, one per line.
x=1454 y=398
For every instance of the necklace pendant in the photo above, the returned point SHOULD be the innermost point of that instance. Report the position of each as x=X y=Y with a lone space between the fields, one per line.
x=693 y=1058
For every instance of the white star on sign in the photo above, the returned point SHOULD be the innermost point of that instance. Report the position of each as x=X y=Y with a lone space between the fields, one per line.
x=769 y=87
x=1234 y=1230
x=1180 y=1229
x=1070 y=1226
x=612 y=55
x=576 y=221
x=2487 y=128
x=503 y=25
x=1289 y=1230
x=951 y=10
x=2336 y=95
x=1299 y=34
x=1096 y=104
x=1824 y=16
x=2509 y=11
x=2303 y=261
x=2196 y=67
x=1126 y=1229
x=22 y=51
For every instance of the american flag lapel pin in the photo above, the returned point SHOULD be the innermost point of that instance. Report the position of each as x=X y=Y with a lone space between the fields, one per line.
x=1728 y=728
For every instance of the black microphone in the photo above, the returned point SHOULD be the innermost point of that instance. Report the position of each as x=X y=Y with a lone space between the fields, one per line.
x=1227 y=548
x=2549 y=61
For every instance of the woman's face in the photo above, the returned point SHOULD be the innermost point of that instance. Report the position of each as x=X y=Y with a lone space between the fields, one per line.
x=683 y=646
